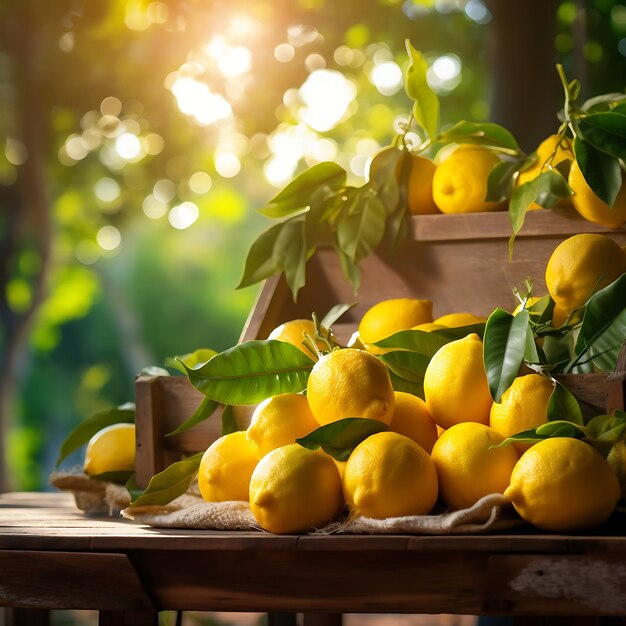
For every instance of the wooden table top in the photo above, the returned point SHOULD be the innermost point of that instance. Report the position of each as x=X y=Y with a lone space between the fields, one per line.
x=526 y=573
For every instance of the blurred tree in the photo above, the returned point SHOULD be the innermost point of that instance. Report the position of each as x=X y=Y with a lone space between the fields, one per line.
x=139 y=134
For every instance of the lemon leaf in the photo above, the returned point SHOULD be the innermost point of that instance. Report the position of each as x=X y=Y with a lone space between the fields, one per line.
x=500 y=181
x=406 y=370
x=323 y=178
x=252 y=371
x=229 y=423
x=338 y=439
x=119 y=478
x=560 y=428
x=415 y=340
x=261 y=263
x=335 y=313
x=205 y=409
x=170 y=483
x=485 y=134
x=504 y=347
x=607 y=428
x=426 y=102
x=602 y=330
x=191 y=359
x=605 y=132
x=459 y=332
x=564 y=406
x=349 y=268
x=602 y=102
x=601 y=171
x=94 y=423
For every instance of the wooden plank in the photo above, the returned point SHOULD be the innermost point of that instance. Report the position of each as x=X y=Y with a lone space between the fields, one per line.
x=70 y=580
x=556 y=584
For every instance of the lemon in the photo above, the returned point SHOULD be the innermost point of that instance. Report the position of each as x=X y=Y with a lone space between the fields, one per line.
x=278 y=421
x=350 y=383
x=226 y=467
x=617 y=461
x=111 y=449
x=293 y=332
x=460 y=181
x=420 y=186
x=412 y=419
x=468 y=467
x=294 y=490
x=389 y=475
x=551 y=152
x=591 y=207
x=455 y=383
x=580 y=266
x=456 y=320
x=391 y=316
x=524 y=405
x=563 y=484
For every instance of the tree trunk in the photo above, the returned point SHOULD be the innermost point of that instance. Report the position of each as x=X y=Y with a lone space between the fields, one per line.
x=30 y=219
x=525 y=90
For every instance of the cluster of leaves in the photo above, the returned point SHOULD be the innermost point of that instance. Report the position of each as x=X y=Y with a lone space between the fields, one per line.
x=318 y=208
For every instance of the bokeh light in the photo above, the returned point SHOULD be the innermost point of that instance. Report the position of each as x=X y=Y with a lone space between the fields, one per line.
x=326 y=95
x=183 y=215
x=109 y=238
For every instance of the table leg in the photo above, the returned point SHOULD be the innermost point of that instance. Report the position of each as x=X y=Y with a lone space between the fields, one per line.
x=322 y=619
x=26 y=617
x=128 y=618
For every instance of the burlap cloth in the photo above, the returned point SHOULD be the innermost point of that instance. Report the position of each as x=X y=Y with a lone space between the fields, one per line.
x=189 y=511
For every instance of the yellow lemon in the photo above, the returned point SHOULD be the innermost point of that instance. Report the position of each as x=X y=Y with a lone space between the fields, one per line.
x=559 y=317
x=562 y=485
x=460 y=181
x=412 y=419
x=591 y=207
x=468 y=467
x=455 y=320
x=455 y=383
x=226 y=467
x=524 y=405
x=350 y=383
x=420 y=186
x=389 y=475
x=428 y=327
x=293 y=332
x=580 y=266
x=293 y=490
x=551 y=152
x=617 y=460
x=111 y=449
x=280 y=420
x=391 y=316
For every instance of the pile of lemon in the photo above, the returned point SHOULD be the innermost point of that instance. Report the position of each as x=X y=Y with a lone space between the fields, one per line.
x=456 y=182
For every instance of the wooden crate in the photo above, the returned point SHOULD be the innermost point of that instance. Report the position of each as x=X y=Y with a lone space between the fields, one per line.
x=460 y=262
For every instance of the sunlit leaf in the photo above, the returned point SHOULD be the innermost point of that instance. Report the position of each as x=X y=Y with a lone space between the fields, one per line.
x=383 y=177
x=602 y=331
x=153 y=370
x=501 y=180
x=291 y=251
x=484 y=134
x=252 y=371
x=261 y=262
x=349 y=268
x=170 y=483
x=426 y=102
x=205 y=409
x=601 y=171
x=602 y=102
x=335 y=314
x=425 y=343
x=607 y=428
x=191 y=359
x=297 y=194
x=88 y=428
x=562 y=428
x=564 y=406
x=338 y=439
x=504 y=347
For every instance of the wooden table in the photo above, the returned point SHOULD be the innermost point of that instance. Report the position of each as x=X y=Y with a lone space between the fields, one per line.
x=53 y=557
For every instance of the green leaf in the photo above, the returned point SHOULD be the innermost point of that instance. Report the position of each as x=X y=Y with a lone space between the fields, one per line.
x=340 y=438
x=383 y=180
x=360 y=231
x=406 y=370
x=260 y=261
x=531 y=354
x=483 y=134
x=349 y=268
x=503 y=349
x=601 y=171
x=607 y=428
x=252 y=371
x=191 y=359
x=604 y=320
x=153 y=370
x=546 y=190
x=452 y=334
x=291 y=249
x=605 y=132
x=119 y=478
x=564 y=406
x=426 y=343
x=501 y=180
x=560 y=428
x=170 y=483
x=324 y=177
x=229 y=422
x=93 y=424
x=205 y=409
x=426 y=102
x=335 y=313
x=603 y=102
